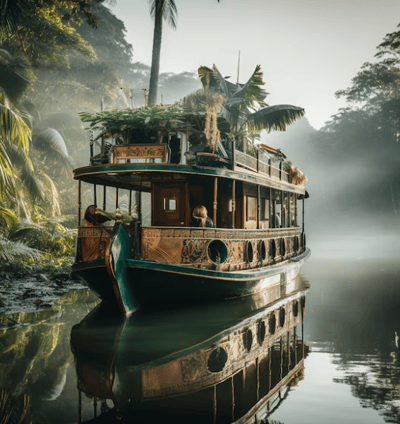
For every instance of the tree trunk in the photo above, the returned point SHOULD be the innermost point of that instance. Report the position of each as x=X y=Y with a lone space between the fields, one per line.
x=155 y=60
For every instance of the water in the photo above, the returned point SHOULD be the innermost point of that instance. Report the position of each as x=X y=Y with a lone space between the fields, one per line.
x=350 y=374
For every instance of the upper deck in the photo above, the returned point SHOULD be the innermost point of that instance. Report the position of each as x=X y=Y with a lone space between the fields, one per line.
x=134 y=166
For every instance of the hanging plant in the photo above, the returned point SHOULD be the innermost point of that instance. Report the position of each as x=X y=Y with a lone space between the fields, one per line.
x=211 y=128
x=297 y=177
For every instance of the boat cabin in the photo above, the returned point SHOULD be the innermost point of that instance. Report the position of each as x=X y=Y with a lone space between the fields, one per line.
x=154 y=183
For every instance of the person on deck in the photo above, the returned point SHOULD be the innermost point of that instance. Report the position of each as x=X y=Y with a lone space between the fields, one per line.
x=200 y=218
x=277 y=220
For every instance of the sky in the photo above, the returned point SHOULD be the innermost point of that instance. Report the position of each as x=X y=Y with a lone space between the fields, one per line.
x=307 y=49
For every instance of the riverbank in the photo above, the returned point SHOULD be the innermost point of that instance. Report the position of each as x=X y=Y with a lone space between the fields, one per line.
x=36 y=286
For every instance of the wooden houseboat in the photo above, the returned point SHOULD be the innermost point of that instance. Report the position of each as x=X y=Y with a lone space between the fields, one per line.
x=226 y=362
x=157 y=256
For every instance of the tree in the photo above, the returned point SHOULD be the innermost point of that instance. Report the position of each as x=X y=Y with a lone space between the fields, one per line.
x=160 y=10
x=244 y=106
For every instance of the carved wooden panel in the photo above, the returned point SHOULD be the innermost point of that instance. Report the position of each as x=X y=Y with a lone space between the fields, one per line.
x=140 y=152
x=190 y=246
x=92 y=242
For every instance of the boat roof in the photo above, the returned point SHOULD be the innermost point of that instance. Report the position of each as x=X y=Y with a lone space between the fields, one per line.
x=138 y=176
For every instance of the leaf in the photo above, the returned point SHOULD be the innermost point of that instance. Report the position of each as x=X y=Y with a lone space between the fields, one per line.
x=275 y=117
x=51 y=139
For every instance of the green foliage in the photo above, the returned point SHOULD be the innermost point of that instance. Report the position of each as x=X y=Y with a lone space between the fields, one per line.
x=44 y=36
x=13 y=252
x=47 y=235
x=244 y=107
x=145 y=119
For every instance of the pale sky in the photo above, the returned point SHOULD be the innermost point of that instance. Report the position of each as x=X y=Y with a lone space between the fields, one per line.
x=307 y=49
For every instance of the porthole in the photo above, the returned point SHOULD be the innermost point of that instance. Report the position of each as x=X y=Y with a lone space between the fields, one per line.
x=272 y=249
x=249 y=252
x=261 y=332
x=262 y=250
x=283 y=247
x=217 y=251
x=295 y=308
x=247 y=340
x=217 y=360
x=272 y=324
x=282 y=314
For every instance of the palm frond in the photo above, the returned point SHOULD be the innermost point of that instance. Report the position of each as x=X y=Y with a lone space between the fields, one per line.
x=33 y=184
x=167 y=9
x=27 y=231
x=275 y=117
x=62 y=121
x=50 y=139
x=251 y=92
x=212 y=79
x=51 y=193
x=11 y=251
x=8 y=217
x=13 y=129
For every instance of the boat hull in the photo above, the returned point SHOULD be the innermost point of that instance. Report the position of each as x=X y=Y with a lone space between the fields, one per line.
x=148 y=284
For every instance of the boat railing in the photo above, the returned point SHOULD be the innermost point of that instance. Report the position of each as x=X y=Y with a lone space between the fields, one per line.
x=138 y=153
x=260 y=165
x=222 y=249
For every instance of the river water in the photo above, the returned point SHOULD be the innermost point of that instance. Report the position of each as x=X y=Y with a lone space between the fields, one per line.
x=350 y=373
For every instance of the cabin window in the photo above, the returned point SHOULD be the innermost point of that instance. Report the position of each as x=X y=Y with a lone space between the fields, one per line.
x=169 y=204
x=251 y=213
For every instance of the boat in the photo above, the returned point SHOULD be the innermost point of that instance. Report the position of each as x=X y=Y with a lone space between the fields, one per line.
x=231 y=361
x=153 y=254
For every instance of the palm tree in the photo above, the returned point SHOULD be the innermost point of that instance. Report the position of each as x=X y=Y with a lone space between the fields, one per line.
x=244 y=107
x=160 y=10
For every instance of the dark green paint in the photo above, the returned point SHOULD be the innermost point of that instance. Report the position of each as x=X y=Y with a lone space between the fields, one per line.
x=254 y=274
x=121 y=251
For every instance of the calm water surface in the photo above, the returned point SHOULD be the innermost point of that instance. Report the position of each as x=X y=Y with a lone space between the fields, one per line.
x=350 y=375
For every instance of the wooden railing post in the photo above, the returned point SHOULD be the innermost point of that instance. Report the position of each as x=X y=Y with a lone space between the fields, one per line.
x=215 y=201
x=104 y=198
x=258 y=160
x=95 y=195
x=258 y=205
x=79 y=202
x=280 y=171
x=233 y=202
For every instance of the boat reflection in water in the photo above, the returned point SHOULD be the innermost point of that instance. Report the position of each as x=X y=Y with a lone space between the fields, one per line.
x=226 y=362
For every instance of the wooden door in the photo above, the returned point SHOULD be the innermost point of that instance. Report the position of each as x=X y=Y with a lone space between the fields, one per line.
x=170 y=205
